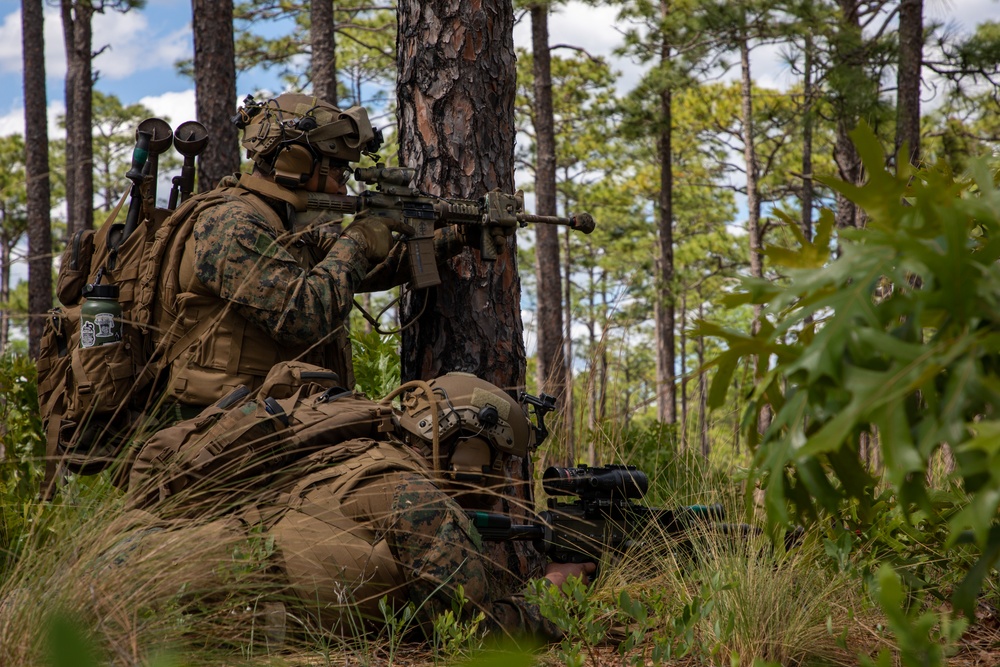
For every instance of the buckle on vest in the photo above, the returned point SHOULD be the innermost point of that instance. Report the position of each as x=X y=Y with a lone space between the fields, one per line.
x=273 y=408
x=332 y=394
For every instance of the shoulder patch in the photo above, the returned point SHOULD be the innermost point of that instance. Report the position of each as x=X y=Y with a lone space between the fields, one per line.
x=265 y=246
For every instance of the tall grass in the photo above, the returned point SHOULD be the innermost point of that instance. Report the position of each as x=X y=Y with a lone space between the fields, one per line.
x=137 y=586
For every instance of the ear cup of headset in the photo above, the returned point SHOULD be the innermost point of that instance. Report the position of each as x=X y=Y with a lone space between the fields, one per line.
x=293 y=165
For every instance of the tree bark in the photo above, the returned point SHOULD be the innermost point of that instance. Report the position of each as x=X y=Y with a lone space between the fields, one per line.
x=455 y=91
x=849 y=55
x=807 y=139
x=568 y=405
x=551 y=362
x=215 y=88
x=36 y=141
x=77 y=37
x=682 y=344
x=911 y=46
x=323 y=65
x=753 y=205
x=702 y=388
x=5 y=252
x=666 y=389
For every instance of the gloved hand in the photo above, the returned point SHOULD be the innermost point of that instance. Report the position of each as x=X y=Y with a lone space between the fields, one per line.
x=374 y=233
x=472 y=236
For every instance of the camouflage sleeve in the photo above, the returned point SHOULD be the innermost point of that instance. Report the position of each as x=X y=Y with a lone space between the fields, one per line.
x=438 y=548
x=238 y=257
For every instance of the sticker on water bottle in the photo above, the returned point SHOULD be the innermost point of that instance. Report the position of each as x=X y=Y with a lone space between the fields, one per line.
x=88 y=336
x=106 y=326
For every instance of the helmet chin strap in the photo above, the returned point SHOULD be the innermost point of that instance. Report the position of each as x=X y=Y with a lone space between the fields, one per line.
x=324 y=171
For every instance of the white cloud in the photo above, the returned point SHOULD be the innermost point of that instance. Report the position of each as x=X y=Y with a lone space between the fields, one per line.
x=12 y=122
x=176 y=107
x=133 y=48
x=132 y=44
x=10 y=43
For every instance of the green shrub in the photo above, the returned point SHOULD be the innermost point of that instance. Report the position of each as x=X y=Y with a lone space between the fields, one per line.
x=22 y=447
x=897 y=336
x=376 y=362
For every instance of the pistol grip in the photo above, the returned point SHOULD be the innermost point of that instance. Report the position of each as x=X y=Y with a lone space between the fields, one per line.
x=423 y=263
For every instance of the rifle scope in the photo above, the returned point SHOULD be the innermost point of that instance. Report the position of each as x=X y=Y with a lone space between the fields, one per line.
x=609 y=481
x=389 y=175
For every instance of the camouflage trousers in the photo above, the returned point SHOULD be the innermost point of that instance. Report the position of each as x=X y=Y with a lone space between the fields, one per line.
x=370 y=528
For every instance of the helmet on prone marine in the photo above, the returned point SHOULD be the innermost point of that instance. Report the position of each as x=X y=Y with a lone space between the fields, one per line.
x=479 y=426
x=296 y=140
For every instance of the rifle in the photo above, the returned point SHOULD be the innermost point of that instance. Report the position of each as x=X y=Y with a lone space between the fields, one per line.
x=603 y=519
x=393 y=197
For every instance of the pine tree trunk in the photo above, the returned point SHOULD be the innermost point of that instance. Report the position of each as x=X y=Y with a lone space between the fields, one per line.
x=5 y=251
x=551 y=363
x=456 y=109
x=568 y=405
x=753 y=207
x=682 y=439
x=702 y=388
x=807 y=139
x=36 y=142
x=77 y=38
x=911 y=44
x=215 y=89
x=849 y=54
x=666 y=389
x=323 y=38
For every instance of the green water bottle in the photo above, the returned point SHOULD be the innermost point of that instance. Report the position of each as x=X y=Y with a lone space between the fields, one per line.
x=100 y=316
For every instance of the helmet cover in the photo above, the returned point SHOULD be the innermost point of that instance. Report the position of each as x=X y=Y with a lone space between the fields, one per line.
x=470 y=406
x=295 y=119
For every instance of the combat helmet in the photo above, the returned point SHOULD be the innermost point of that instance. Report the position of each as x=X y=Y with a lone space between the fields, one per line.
x=478 y=425
x=287 y=136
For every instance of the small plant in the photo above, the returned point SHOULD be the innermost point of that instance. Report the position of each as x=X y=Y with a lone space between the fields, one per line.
x=924 y=639
x=397 y=623
x=456 y=637
x=582 y=617
x=376 y=362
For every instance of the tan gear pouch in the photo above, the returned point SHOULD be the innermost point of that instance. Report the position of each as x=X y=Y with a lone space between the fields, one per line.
x=74 y=267
x=286 y=378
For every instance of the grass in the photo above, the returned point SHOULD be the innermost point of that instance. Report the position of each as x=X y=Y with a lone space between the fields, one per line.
x=126 y=588
x=143 y=591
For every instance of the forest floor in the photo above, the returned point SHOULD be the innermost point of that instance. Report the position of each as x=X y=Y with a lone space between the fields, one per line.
x=980 y=647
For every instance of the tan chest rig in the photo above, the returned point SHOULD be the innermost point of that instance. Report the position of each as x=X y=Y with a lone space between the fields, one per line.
x=222 y=350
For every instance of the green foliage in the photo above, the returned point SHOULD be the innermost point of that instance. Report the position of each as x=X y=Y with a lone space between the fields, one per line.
x=376 y=362
x=68 y=646
x=582 y=617
x=114 y=139
x=675 y=638
x=22 y=447
x=925 y=639
x=397 y=623
x=365 y=37
x=897 y=336
x=454 y=634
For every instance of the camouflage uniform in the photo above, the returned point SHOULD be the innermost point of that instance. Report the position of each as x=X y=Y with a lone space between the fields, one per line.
x=271 y=294
x=375 y=525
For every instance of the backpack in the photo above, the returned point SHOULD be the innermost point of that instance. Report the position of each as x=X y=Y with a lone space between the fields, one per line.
x=217 y=461
x=93 y=399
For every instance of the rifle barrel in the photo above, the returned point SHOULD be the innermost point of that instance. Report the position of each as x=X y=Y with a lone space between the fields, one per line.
x=583 y=222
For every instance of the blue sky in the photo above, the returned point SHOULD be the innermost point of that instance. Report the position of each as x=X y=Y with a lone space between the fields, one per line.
x=142 y=47
x=138 y=65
